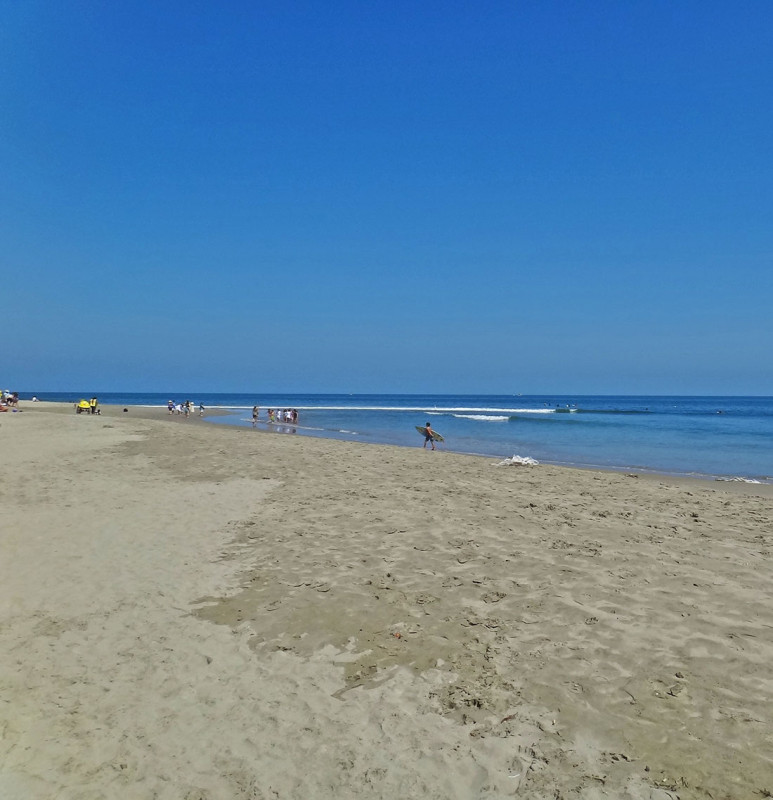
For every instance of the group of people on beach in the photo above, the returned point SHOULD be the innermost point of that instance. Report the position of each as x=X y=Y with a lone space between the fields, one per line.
x=8 y=400
x=287 y=415
x=186 y=408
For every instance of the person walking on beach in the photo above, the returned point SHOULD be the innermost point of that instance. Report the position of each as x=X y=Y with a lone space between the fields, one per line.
x=93 y=405
x=428 y=436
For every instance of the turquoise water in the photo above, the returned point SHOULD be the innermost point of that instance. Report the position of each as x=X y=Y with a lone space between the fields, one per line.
x=703 y=436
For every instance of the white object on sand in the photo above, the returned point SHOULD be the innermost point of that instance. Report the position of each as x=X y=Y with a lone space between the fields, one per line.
x=518 y=461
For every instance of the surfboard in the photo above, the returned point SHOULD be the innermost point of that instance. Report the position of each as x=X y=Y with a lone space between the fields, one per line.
x=435 y=435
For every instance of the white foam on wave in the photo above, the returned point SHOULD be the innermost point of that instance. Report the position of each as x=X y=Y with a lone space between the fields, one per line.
x=482 y=417
x=428 y=409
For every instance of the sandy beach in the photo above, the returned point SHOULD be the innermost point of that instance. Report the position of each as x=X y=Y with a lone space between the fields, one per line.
x=197 y=612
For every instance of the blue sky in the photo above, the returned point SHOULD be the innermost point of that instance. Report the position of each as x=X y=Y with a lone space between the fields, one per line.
x=562 y=197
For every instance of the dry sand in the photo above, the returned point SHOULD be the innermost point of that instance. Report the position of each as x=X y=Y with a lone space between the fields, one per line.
x=198 y=612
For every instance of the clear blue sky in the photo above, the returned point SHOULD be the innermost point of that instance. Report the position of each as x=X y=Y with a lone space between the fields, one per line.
x=565 y=197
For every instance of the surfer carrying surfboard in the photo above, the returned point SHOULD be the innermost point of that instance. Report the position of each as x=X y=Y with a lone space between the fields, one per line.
x=429 y=436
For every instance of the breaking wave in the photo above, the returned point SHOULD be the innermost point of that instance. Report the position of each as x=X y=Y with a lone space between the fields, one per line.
x=483 y=417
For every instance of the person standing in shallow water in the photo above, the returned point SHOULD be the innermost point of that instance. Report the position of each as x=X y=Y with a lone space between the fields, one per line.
x=428 y=437
x=254 y=416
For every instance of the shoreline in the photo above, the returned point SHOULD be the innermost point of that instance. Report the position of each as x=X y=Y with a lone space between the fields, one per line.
x=161 y=412
x=192 y=611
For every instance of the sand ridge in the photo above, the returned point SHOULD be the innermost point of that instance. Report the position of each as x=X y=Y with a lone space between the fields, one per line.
x=201 y=612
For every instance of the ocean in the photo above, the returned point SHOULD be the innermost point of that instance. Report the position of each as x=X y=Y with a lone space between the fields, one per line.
x=712 y=437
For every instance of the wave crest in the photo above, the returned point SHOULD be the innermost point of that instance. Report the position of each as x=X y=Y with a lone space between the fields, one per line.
x=482 y=417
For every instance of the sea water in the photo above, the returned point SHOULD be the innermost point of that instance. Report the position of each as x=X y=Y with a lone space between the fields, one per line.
x=728 y=437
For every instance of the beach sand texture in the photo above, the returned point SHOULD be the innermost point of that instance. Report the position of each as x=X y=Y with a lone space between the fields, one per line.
x=195 y=612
